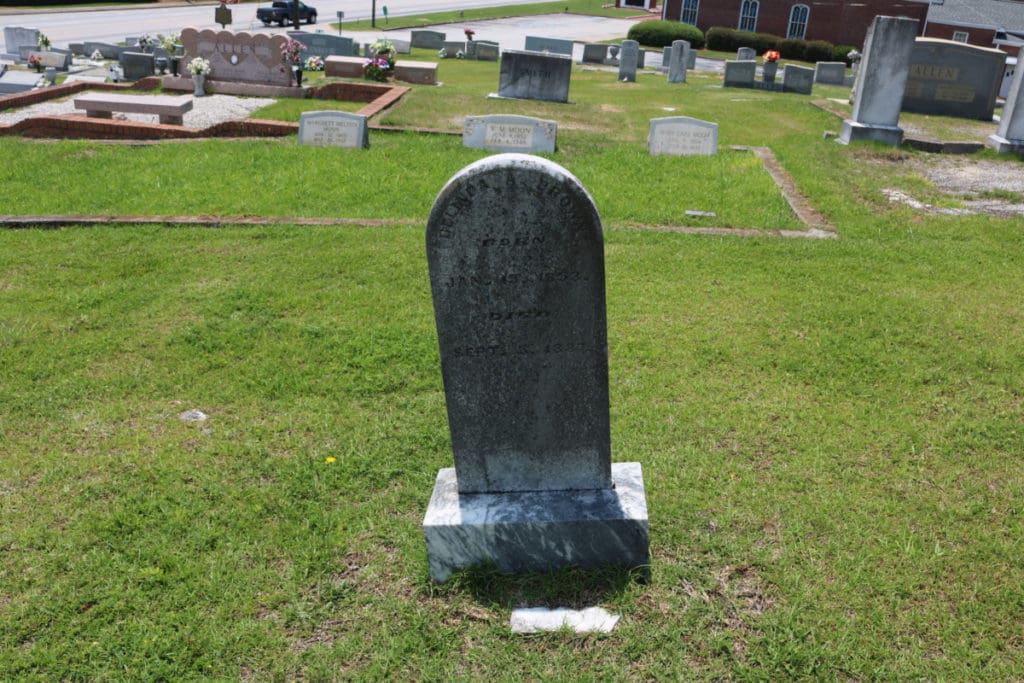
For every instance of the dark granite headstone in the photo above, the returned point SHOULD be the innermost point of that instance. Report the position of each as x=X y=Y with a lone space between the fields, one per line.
x=107 y=50
x=739 y=74
x=432 y=40
x=323 y=44
x=534 y=76
x=516 y=259
x=137 y=65
x=594 y=53
x=948 y=78
x=486 y=51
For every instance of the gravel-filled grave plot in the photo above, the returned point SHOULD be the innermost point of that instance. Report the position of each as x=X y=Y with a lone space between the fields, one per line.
x=206 y=111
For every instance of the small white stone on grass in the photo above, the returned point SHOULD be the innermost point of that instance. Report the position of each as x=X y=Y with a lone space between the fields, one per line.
x=589 y=620
x=192 y=416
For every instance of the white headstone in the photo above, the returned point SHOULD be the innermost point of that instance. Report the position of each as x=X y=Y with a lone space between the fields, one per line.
x=333 y=129
x=682 y=136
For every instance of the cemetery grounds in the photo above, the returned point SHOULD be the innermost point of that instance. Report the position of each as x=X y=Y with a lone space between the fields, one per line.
x=830 y=428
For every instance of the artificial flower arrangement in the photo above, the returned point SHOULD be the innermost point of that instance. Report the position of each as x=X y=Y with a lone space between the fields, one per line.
x=169 y=42
x=146 y=41
x=442 y=53
x=35 y=62
x=199 y=67
x=772 y=56
x=43 y=41
x=315 y=63
x=291 y=52
x=382 y=65
x=469 y=33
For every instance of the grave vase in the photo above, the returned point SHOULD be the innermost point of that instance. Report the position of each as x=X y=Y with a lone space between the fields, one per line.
x=175 y=65
x=161 y=65
x=297 y=71
x=199 y=80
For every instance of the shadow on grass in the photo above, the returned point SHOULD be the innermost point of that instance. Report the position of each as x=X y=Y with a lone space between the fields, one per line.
x=574 y=588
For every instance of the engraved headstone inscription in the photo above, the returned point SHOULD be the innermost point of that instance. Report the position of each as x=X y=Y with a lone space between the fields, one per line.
x=509 y=133
x=516 y=259
x=682 y=136
x=333 y=129
x=534 y=76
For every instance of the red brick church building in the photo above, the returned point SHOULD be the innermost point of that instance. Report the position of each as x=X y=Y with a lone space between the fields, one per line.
x=987 y=23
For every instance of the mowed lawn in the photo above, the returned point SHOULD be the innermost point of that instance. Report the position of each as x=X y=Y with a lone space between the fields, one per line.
x=830 y=430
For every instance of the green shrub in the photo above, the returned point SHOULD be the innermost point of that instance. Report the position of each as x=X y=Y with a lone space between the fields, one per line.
x=661 y=33
x=818 y=51
x=840 y=53
x=721 y=39
x=792 y=48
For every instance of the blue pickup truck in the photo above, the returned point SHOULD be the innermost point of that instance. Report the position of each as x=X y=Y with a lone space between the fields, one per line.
x=281 y=13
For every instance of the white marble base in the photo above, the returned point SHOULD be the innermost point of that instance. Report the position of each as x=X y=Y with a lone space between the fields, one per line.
x=538 y=530
x=1004 y=146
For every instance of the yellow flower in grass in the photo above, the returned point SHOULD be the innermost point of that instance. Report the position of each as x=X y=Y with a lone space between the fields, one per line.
x=330 y=459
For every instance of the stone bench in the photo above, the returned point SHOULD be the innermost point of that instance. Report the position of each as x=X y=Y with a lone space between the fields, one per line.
x=171 y=110
x=337 y=66
x=423 y=73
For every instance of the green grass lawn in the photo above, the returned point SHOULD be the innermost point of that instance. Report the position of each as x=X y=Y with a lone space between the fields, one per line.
x=830 y=430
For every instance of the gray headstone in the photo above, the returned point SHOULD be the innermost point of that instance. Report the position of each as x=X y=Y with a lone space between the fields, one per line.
x=1009 y=137
x=798 y=79
x=739 y=74
x=534 y=76
x=830 y=73
x=691 y=59
x=594 y=53
x=516 y=261
x=515 y=250
x=432 y=40
x=53 y=58
x=454 y=47
x=880 y=82
x=402 y=47
x=77 y=48
x=240 y=57
x=948 y=78
x=682 y=136
x=12 y=82
x=745 y=54
x=628 y=59
x=137 y=65
x=108 y=50
x=486 y=52
x=508 y=133
x=16 y=37
x=678 y=57
x=556 y=46
x=323 y=44
x=333 y=129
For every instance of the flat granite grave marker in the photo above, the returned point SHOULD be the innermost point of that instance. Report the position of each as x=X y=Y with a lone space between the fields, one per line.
x=534 y=76
x=333 y=129
x=556 y=46
x=948 y=78
x=509 y=133
x=880 y=82
x=1009 y=137
x=682 y=136
x=629 y=57
x=12 y=82
x=516 y=258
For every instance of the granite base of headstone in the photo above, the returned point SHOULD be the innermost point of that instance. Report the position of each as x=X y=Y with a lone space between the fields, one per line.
x=1009 y=137
x=509 y=133
x=883 y=75
x=682 y=136
x=629 y=58
x=333 y=129
x=516 y=262
x=534 y=76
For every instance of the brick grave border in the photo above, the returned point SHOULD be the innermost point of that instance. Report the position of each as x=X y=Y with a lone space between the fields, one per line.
x=68 y=126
